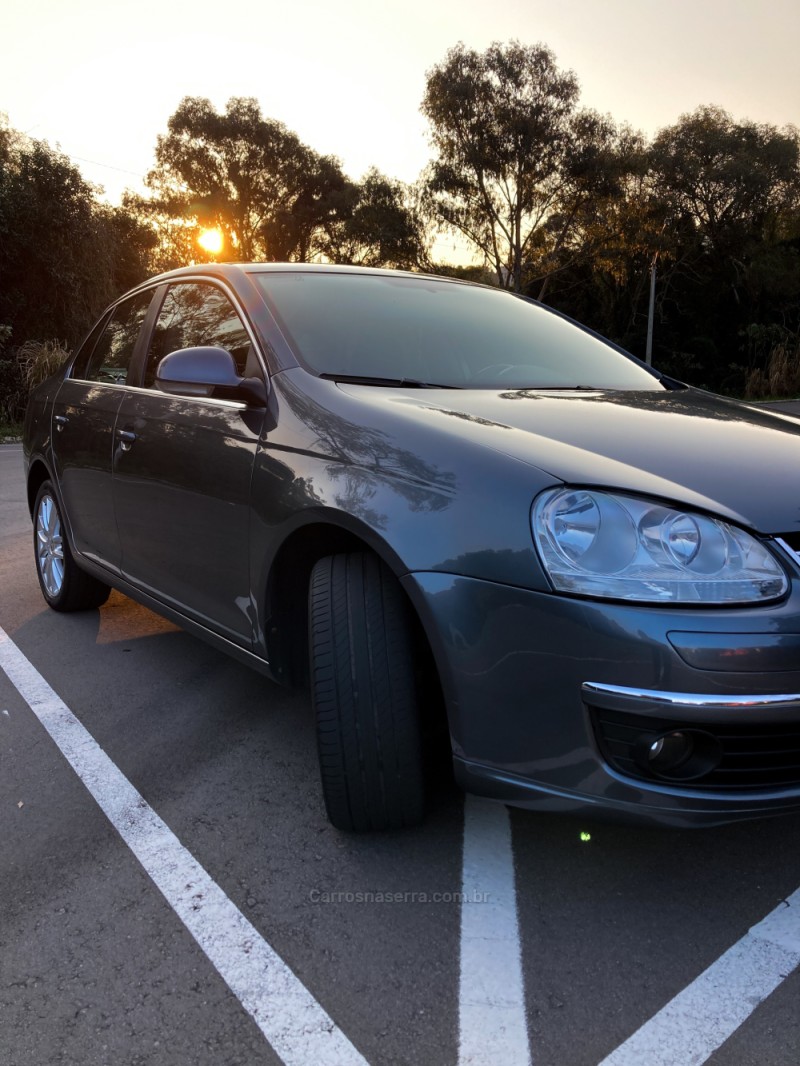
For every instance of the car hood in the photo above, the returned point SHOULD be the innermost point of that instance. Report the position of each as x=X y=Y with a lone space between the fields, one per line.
x=701 y=450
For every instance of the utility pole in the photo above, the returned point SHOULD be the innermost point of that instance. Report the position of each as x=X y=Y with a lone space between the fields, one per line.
x=648 y=354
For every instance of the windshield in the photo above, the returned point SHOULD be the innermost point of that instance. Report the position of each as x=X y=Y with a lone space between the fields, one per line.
x=419 y=329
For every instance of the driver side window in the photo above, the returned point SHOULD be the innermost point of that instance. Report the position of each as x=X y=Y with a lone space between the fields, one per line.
x=195 y=313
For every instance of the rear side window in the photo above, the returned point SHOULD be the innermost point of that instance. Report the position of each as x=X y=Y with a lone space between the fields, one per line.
x=108 y=359
x=194 y=314
x=81 y=361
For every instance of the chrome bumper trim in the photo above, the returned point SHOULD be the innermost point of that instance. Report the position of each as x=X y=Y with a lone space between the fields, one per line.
x=689 y=699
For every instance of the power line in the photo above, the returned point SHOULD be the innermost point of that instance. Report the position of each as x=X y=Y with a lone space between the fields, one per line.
x=108 y=166
x=91 y=162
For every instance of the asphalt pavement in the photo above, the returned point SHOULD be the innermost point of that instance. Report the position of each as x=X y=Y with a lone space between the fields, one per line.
x=100 y=966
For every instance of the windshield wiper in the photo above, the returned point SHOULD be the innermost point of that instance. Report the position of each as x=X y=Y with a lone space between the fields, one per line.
x=363 y=379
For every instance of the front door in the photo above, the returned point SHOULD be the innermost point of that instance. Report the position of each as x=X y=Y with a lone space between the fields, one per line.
x=182 y=473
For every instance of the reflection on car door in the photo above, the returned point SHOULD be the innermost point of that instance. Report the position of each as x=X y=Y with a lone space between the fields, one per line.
x=182 y=476
x=84 y=415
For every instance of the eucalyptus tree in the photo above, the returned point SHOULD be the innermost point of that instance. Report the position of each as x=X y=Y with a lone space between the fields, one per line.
x=516 y=161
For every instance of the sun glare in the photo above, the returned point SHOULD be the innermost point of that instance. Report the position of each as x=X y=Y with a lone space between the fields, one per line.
x=211 y=240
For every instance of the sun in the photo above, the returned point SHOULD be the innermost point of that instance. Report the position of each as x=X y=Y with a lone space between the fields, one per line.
x=211 y=240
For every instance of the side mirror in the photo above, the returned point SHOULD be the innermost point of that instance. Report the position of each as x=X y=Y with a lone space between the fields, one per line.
x=207 y=371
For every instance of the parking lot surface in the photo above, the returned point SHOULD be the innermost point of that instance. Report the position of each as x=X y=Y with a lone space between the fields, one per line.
x=171 y=892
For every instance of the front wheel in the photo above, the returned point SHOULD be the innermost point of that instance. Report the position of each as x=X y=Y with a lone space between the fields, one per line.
x=365 y=694
x=64 y=585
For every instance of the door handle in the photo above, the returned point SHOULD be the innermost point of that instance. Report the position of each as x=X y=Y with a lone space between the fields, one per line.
x=60 y=421
x=126 y=437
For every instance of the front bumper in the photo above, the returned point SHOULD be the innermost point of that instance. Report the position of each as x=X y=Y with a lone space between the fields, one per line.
x=552 y=701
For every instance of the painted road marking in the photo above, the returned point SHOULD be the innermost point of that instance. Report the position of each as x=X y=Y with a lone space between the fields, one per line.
x=702 y=1017
x=296 y=1026
x=492 y=1024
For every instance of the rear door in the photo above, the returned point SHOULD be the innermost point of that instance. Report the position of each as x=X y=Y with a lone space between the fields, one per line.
x=84 y=415
x=182 y=474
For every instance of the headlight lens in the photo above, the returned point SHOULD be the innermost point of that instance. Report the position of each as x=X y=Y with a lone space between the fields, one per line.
x=624 y=548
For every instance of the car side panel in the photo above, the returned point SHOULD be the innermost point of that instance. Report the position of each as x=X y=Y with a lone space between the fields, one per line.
x=182 y=498
x=83 y=419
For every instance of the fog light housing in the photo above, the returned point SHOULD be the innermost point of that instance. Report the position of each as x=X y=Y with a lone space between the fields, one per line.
x=678 y=754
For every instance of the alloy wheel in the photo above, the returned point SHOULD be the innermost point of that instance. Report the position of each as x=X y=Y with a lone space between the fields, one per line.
x=50 y=546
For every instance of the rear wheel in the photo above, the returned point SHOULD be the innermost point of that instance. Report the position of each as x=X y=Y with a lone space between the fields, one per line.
x=64 y=585
x=365 y=696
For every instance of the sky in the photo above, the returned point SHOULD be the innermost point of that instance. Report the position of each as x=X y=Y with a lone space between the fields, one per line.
x=100 y=79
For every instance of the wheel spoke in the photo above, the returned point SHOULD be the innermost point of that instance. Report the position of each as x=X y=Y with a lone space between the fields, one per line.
x=47 y=574
x=53 y=523
x=57 y=568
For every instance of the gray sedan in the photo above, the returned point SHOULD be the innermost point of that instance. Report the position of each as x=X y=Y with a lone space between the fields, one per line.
x=467 y=523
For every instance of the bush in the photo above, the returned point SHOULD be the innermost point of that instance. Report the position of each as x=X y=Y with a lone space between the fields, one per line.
x=22 y=370
x=780 y=377
x=39 y=359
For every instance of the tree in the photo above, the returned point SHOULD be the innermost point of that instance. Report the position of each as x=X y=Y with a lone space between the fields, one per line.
x=378 y=226
x=731 y=191
x=730 y=178
x=501 y=126
x=63 y=255
x=600 y=170
x=250 y=176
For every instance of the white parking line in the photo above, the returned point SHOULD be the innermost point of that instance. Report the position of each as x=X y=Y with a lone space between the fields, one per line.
x=287 y=1014
x=492 y=1025
x=709 y=1010
x=492 y=1022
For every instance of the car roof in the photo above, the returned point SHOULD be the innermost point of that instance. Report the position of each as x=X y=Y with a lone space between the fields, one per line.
x=232 y=269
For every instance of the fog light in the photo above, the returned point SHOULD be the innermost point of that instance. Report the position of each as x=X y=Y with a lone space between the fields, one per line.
x=679 y=755
x=668 y=753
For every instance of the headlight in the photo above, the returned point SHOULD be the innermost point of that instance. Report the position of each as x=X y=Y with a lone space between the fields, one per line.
x=623 y=548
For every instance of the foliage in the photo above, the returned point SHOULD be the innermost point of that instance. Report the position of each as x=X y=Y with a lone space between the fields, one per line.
x=778 y=374
x=376 y=227
x=517 y=164
x=10 y=432
x=22 y=370
x=714 y=206
x=247 y=175
x=63 y=254
x=273 y=198
x=730 y=178
x=39 y=359
x=559 y=202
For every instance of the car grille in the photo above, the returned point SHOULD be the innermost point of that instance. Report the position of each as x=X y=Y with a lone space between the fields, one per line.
x=764 y=757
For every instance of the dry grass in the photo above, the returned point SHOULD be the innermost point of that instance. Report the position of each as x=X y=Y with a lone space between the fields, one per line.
x=39 y=359
x=781 y=376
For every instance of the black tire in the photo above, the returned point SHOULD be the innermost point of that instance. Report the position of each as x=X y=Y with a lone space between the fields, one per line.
x=64 y=585
x=364 y=691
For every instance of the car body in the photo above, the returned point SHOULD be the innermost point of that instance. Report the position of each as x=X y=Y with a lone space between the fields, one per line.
x=453 y=511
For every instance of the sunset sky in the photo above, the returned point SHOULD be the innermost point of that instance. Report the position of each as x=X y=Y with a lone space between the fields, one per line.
x=101 y=79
